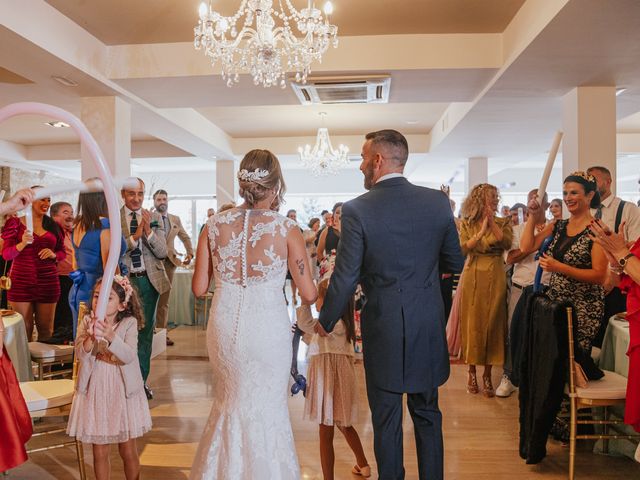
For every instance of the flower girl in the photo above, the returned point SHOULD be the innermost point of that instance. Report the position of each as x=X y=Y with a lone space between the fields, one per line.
x=110 y=405
x=331 y=390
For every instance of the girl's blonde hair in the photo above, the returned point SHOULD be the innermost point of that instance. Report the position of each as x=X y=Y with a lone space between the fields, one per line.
x=473 y=206
x=348 y=317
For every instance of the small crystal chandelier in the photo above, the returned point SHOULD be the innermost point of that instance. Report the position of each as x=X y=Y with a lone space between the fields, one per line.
x=322 y=159
x=267 y=51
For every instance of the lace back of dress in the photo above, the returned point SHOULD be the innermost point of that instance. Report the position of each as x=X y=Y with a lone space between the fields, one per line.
x=249 y=247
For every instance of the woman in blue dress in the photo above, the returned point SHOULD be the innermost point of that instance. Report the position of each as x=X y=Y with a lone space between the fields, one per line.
x=91 y=237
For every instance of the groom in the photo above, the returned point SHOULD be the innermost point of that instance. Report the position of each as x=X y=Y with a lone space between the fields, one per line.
x=395 y=240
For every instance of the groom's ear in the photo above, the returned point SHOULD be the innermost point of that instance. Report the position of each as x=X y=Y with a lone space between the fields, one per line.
x=377 y=160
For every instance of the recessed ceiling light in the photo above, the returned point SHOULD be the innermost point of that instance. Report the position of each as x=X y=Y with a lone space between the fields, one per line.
x=411 y=122
x=214 y=157
x=57 y=124
x=64 y=81
x=620 y=91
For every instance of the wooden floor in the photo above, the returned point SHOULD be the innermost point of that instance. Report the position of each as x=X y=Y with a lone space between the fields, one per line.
x=481 y=435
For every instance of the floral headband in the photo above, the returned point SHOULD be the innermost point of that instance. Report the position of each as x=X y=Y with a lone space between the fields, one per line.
x=126 y=286
x=257 y=174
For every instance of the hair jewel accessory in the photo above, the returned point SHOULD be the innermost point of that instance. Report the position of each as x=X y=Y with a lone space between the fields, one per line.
x=126 y=286
x=257 y=174
x=586 y=176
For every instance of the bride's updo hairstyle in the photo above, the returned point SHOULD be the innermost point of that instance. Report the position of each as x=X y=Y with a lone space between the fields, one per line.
x=259 y=174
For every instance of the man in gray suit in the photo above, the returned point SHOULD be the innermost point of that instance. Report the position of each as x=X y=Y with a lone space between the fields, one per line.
x=146 y=251
x=172 y=228
x=395 y=240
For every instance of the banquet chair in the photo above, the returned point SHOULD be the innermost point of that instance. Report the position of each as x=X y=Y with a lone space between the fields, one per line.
x=53 y=398
x=202 y=304
x=610 y=390
x=46 y=355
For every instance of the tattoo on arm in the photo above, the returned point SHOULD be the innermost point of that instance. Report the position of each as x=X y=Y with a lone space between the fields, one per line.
x=300 y=264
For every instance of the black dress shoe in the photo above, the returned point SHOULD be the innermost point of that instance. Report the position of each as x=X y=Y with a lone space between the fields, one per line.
x=170 y=342
x=148 y=392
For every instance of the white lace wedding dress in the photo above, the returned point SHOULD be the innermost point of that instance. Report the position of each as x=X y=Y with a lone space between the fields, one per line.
x=248 y=434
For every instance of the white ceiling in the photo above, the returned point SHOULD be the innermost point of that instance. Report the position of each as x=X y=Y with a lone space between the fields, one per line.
x=144 y=21
x=514 y=102
x=31 y=130
x=294 y=120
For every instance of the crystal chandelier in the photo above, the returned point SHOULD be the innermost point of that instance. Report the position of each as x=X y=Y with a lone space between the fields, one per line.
x=259 y=46
x=322 y=159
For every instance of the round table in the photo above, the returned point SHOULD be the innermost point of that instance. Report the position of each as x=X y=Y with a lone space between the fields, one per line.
x=613 y=356
x=15 y=339
x=181 y=298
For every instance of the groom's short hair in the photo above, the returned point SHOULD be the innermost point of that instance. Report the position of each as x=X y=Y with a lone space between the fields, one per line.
x=393 y=143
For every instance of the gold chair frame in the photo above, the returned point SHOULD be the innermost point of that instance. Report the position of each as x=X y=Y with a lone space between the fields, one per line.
x=577 y=403
x=204 y=300
x=62 y=411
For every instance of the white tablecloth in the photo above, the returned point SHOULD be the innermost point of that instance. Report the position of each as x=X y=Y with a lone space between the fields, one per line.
x=15 y=339
x=181 y=298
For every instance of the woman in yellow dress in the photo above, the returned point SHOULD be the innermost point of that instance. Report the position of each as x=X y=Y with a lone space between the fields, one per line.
x=484 y=237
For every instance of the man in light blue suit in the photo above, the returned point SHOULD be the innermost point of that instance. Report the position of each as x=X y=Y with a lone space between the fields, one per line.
x=395 y=240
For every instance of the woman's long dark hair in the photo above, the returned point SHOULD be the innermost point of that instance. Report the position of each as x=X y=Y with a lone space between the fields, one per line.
x=133 y=308
x=91 y=206
x=348 y=317
x=50 y=225
x=589 y=184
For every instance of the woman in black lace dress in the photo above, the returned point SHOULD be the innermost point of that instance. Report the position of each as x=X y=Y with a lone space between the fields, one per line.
x=330 y=236
x=578 y=266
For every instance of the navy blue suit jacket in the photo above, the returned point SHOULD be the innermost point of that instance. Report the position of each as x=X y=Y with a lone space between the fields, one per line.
x=395 y=239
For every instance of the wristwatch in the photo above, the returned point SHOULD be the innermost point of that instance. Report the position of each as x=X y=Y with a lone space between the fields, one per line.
x=623 y=261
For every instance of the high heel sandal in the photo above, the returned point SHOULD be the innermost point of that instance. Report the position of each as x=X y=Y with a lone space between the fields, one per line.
x=488 y=387
x=472 y=383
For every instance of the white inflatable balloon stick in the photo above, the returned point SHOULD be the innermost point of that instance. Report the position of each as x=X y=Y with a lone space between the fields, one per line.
x=87 y=140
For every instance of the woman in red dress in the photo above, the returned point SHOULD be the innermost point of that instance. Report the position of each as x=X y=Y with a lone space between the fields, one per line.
x=15 y=423
x=625 y=266
x=35 y=287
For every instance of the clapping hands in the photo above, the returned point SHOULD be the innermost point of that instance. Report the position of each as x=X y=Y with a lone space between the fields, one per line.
x=613 y=244
x=144 y=224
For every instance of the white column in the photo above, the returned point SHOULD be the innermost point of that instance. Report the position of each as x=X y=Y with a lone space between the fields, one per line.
x=109 y=121
x=589 y=125
x=226 y=183
x=476 y=171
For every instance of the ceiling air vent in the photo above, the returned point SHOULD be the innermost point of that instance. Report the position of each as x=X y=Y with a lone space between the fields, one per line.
x=332 y=90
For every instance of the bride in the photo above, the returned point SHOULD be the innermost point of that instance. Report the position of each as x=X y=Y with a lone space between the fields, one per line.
x=247 y=250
